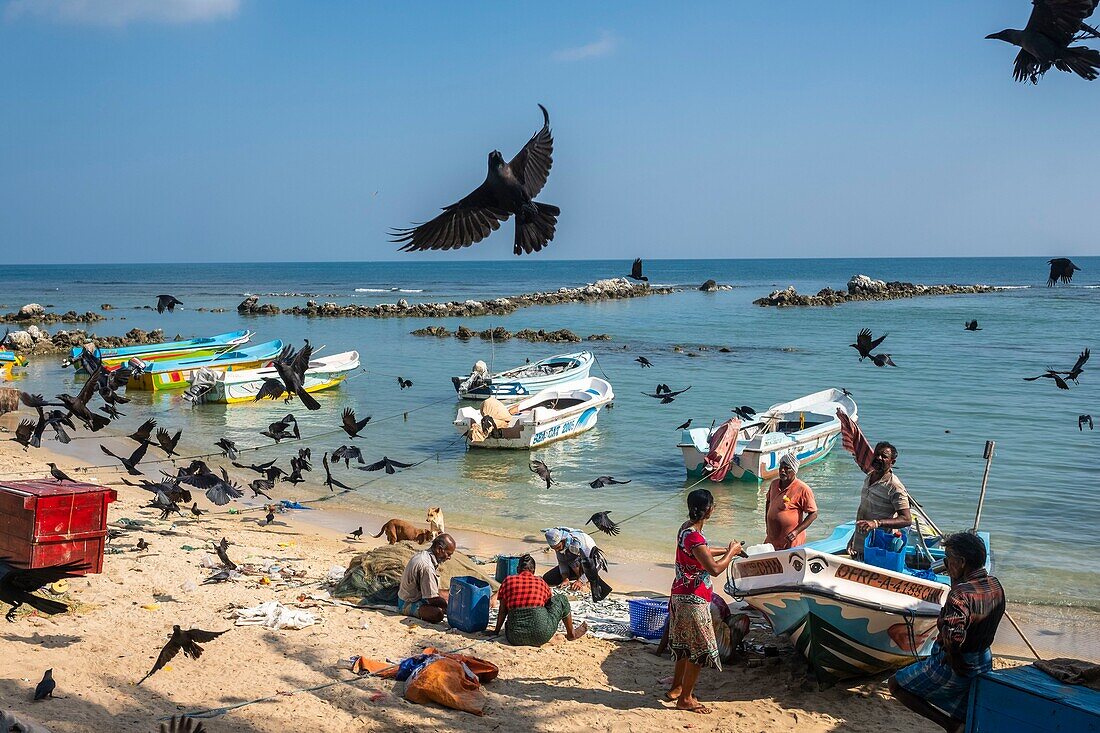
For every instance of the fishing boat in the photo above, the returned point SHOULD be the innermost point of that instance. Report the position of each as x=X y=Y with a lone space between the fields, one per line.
x=848 y=618
x=242 y=385
x=807 y=426
x=525 y=380
x=209 y=346
x=10 y=357
x=550 y=415
x=176 y=374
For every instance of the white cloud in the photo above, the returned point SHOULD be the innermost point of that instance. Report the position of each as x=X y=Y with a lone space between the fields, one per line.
x=605 y=45
x=117 y=13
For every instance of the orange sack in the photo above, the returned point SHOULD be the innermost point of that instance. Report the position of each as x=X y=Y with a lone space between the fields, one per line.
x=448 y=682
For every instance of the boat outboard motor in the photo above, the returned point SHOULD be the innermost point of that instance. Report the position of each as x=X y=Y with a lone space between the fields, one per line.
x=591 y=567
x=202 y=382
x=137 y=366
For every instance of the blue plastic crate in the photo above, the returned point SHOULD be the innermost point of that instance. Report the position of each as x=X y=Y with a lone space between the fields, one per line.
x=468 y=604
x=506 y=565
x=648 y=617
x=878 y=550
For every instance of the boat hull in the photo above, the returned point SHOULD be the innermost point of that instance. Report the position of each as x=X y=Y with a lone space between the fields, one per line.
x=181 y=378
x=847 y=618
x=808 y=427
x=210 y=346
x=541 y=426
x=239 y=388
x=508 y=386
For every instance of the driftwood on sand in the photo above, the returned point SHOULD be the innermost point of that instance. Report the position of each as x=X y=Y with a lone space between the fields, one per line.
x=861 y=288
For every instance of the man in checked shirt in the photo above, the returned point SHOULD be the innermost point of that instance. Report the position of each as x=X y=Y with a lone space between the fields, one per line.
x=939 y=687
x=529 y=612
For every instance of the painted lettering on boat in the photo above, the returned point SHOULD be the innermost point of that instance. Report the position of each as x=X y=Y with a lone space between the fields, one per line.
x=765 y=566
x=885 y=582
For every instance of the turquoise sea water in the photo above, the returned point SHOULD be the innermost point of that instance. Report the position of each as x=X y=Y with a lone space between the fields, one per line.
x=952 y=391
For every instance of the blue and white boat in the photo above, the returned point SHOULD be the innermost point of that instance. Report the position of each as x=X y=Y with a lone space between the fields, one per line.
x=549 y=416
x=808 y=426
x=523 y=381
x=848 y=618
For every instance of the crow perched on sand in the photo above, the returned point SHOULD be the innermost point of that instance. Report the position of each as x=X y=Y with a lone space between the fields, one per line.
x=1045 y=40
x=509 y=188
x=1061 y=270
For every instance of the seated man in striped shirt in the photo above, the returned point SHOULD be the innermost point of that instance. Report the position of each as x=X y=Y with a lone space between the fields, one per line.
x=939 y=687
x=529 y=612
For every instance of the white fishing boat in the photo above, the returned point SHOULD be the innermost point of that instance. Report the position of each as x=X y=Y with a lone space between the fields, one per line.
x=847 y=618
x=550 y=415
x=523 y=381
x=808 y=426
x=242 y=386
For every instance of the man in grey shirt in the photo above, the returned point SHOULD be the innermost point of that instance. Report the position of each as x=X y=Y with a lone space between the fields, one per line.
x=884 y=501
x=419 y=594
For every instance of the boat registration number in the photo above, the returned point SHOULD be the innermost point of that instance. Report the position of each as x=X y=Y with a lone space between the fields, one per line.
x=554 y=432
x=885 y=582
x=753 y=568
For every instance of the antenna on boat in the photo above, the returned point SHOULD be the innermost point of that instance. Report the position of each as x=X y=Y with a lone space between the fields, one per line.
x=989 y=445
x=492 y=348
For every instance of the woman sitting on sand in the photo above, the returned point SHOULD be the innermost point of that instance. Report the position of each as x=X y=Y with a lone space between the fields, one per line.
x=529 y=612
x=690 y=630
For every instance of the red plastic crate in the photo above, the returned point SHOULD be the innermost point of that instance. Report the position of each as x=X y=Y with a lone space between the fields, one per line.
x=45 y=523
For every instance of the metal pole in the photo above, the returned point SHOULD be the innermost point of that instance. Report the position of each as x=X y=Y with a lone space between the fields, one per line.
x=989 y=445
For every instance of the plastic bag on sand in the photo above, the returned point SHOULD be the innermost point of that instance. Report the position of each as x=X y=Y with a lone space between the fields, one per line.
x=274 y=615
x=449 y=683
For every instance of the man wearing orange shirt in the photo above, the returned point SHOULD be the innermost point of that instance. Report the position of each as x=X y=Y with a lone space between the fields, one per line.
x=789 y=507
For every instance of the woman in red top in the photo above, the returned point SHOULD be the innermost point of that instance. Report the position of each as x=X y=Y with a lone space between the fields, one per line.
x=529 y=613
x=690 y=629
x=790 y=507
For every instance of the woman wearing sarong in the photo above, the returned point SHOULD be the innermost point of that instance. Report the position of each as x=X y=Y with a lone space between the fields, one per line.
x=690 y=630
x=530 y=612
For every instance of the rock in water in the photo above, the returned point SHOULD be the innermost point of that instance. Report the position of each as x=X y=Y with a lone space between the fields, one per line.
x=31 y=310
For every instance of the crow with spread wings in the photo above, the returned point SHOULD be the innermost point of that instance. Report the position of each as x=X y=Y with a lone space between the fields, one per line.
x=509 y=188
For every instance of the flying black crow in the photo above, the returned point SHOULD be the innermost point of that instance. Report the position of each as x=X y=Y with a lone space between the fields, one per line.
x=257 y=467
x=603 y=481
x=881 y=360
x=168 y=442
x=865 y=344
x=1045 y=40
x=604 y=523
x=404 y=383
x=182 y=640
x=283 y=429
x=636 y=271
x=847 y=392
x=1078 y=366
x=17 y=585
x=1050 y=374
x=24 y=434
x=972 y=326
x=543 y=471
x=509 y=188
x=745 y=412
x=229 y=449
x=1083 y=420
x=132 y=462
x=1061 y=270
x=260 y=487
x=167 y=303
x=386 y=464
x=347 y=453
x=352 y=426
x=330 y=482
x=182 y=724
x=144 y=433
x=665 y=394
x=646 y=363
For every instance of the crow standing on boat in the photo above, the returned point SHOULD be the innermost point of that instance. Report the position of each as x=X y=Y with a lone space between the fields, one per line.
x=1061 y=270
x=509 y=188
x=1045 y=40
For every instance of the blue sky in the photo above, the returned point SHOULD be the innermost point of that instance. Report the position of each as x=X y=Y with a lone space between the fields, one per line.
x=207 y=130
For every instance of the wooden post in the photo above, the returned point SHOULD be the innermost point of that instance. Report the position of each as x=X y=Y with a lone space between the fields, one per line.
x=989 y=445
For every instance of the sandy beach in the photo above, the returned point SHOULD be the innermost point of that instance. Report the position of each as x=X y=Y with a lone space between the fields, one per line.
x=120 y=618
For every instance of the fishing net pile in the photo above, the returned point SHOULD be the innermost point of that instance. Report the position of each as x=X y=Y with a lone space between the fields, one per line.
x=374 y=576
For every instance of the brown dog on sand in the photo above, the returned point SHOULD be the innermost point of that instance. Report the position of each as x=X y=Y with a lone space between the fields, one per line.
x=397 y=530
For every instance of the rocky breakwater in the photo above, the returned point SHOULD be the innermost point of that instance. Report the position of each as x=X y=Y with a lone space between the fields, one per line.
x=36 y=313
x=562 y=335
x=862 y=287
x=37 y=340
x=613 y=289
